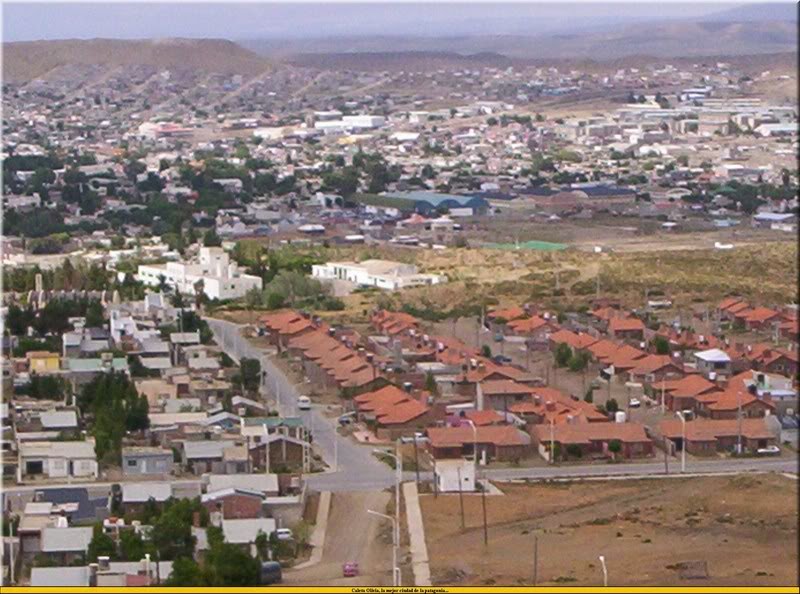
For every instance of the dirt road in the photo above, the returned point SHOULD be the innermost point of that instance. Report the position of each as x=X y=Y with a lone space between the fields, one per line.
x=352 y=535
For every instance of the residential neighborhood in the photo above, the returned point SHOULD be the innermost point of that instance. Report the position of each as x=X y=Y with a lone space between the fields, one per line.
x=505 y=298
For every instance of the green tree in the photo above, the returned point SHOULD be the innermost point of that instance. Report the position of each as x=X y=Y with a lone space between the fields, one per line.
x=578 y=361
x=612 y=406
x=486 y=351
x=101 y=545
x=131 y=546
x=615 y=447
x=185 y=572
x=250 y=374
x=563 y=354
x=430 y=383
x=172 y=532
x=94 y=315
x=211 y=239
x=661 y=345
x=574 y=451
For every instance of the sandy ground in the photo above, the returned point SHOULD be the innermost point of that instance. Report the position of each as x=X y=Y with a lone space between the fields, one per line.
x=352 y=535
x=743 y=527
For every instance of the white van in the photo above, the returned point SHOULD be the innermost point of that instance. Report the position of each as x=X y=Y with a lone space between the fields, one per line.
x=304 y=403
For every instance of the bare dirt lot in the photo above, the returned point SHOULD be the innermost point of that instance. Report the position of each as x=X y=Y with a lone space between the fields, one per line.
x=744 y=528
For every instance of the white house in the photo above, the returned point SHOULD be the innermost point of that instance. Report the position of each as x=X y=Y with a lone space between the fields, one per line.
x=450 y=472
x=383 y=274
x=221 y=278
x=57 y=459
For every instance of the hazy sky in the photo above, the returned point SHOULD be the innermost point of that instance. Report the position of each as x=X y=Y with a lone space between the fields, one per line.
x=62 y=20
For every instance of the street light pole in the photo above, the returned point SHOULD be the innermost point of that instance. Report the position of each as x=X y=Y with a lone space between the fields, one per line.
x=398 y=463
x=605 y=570
x=395 y=546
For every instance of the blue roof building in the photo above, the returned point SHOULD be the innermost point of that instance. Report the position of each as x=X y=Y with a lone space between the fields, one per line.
x=427 y=202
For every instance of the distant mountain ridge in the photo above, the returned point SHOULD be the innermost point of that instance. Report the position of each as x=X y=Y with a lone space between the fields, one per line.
x=661 y=39
x=26 y=60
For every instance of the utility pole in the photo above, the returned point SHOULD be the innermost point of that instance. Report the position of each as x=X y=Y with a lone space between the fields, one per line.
x=461 y=500
x=485 y=527
x=666 y=457
x=535 y=559
x=416 y=459
x=739 y=422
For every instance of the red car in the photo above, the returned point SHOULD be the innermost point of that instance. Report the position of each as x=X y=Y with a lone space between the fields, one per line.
x=350 y=569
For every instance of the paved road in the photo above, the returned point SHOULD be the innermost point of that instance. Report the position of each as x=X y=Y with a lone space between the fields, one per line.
x=352 y=535
x=356 y=469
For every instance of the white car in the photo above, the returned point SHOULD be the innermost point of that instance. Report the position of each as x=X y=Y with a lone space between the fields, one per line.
x=304 y=403
x=635 y=403
x=284 y=534
x=772 y=450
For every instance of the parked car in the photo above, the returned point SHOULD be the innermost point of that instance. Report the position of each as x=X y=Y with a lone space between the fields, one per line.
x=270 y=573
x=501 y=359
x=772 y=450
x=304 y=403
x=284 y=534
x=350 y=569
x=635 y=403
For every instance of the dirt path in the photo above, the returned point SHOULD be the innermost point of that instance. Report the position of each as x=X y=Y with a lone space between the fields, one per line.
x=352 y=535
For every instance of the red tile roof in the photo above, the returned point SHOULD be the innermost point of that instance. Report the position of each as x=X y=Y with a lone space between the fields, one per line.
x=761 y=315
x=711 y=429
x=585 y=433
x=498 y=435
x=625 y=324
x=728 y=302
x=528 y=325
x=508 y=314
x=400 y=412
x=691 y=385
x=484 y=417
x=504 y=386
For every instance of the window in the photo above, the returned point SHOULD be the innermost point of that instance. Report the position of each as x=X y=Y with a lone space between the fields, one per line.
x=132 y=462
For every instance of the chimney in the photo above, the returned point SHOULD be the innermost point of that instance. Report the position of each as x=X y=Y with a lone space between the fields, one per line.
x=407 y=387
x=331 y=331
x=550 y=405
x=103 y=562
x=537 y=399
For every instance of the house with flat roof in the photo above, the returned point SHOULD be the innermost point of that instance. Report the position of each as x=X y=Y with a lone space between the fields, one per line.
x=57 y=459
x=383 y=274
x=149 y=461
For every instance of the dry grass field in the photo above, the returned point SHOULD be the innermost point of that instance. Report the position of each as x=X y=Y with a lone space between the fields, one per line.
x=744 y=528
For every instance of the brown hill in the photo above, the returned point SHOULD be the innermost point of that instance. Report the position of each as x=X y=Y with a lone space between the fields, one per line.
x=23 y=61
x=659 y=39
